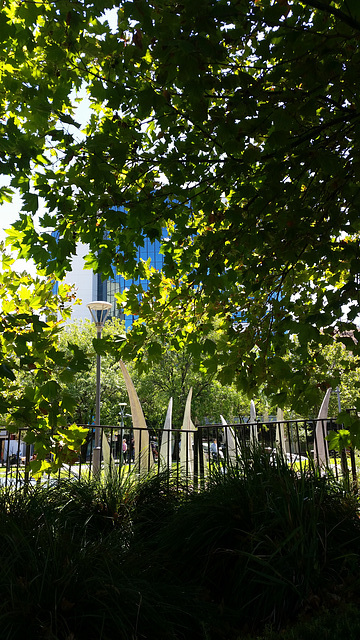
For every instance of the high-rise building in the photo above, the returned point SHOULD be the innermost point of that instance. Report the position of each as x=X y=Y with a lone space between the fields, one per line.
x=90 y=286
x=109 y=288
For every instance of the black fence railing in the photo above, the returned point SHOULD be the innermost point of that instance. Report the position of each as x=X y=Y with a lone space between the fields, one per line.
x=187 y=456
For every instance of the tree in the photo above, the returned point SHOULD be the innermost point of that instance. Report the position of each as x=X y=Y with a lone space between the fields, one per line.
x=336 y=367
x=340 y=367
x=34 y=370
x=82 y=387
x=234 y=124
x=171 y=377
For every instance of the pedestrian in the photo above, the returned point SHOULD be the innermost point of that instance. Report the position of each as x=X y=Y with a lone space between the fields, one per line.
x=124 y=449
x=214 y=449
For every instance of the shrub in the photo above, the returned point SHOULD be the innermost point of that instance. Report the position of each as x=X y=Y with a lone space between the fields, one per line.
x=134 y=560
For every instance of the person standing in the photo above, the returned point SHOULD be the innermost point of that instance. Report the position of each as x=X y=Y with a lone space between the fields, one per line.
x=214 y=449
x=124 y=449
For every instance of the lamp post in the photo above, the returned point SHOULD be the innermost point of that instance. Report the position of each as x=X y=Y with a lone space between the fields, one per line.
x=99 y=310
x=122 y=406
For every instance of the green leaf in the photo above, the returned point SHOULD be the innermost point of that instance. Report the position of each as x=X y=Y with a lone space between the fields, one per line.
x=339 y=440
x=6 y=372
x=155 y=350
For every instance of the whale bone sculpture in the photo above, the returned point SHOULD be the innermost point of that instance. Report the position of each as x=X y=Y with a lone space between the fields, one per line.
x=321 y=449
x=143 y=454
x=187 y=439
x=167 y=439
x=230 y=440
x=254 y=439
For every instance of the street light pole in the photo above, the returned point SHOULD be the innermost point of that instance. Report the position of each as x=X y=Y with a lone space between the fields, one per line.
x=99 y=310
x=122 y=406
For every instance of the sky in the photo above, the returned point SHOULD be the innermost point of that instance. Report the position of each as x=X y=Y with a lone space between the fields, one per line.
x=8 y=215
x=9 y=212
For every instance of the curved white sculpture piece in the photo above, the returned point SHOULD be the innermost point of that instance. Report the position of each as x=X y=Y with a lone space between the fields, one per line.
x=187 y=440
x=321 y=449
x=280 y=433
x=167 y=439
x=109 y=462
x=143 y=454
x=254 y=439
x=230 y=440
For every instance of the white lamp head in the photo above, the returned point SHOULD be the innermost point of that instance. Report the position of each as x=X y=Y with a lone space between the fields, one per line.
x=99 y=310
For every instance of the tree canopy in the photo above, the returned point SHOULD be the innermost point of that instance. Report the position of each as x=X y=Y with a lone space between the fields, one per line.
x=172 y=377
x=232 y=124
x=82 y=387
x=34 y=370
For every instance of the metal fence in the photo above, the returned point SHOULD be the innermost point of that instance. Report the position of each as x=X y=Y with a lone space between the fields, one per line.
x=189 y=457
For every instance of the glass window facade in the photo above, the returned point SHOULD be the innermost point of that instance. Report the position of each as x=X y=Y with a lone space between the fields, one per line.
x=117 y=285
x=100 y=289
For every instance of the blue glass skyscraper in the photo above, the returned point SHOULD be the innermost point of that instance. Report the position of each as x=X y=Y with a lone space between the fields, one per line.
x=107 y=289
x=91 y=286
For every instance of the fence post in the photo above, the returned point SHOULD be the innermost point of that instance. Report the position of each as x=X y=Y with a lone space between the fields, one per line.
x=353 y=470
x=344 y=465
x=196 y=459
x=27 y=463
x=201 y=457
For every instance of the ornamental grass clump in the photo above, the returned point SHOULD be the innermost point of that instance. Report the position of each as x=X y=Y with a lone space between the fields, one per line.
x=262 y=539
x=71 y=566
x=142 y=559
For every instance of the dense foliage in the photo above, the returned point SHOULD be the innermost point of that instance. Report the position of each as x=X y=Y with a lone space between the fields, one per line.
x=231 y=124
x=34 y=370
x=82 y=388
x=146 y=560
x=171 y=377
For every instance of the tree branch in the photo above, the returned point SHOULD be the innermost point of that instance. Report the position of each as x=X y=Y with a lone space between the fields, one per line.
x=327 y=8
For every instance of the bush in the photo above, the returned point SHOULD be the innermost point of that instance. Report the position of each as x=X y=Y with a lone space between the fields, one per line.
x=138 y=560
x=71 y=566
x=261 y=540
